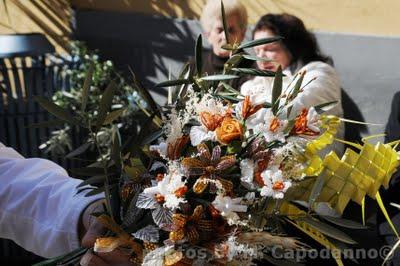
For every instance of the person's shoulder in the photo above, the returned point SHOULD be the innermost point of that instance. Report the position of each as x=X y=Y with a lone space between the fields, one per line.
x=397 y=96
x=396 y=100
x=319 y=66
x=321 y=70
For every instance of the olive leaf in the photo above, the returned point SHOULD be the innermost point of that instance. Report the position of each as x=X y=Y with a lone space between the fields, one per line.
x=78 y=151
x=56 y=110
x=170 y=83
x=224 y=23
x=86 y=86
x=322 y=108
x=198 y=55
x=256 y=58
x=152 y=137
x=277 y=90
x=295 y=92
x=98 y=179
x=113 y=116
x=254 y=72
x=116 y=147
x=219 y=77
x=344 y=222
x=230 y=88
x=95 y=191
x=105 y=104
x=259 y=42
x=328 y=230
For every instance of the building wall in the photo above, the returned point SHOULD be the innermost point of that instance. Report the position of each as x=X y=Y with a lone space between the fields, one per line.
x=366 y=17
x=50 y=17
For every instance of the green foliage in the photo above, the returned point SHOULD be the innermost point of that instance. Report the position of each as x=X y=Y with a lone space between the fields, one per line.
x=89 y=77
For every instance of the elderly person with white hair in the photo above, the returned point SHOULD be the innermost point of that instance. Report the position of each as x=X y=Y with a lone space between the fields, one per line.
x=213 y=29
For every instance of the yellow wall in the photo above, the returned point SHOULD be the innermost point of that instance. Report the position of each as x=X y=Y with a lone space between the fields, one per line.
x=371 y=17
x=50 y=17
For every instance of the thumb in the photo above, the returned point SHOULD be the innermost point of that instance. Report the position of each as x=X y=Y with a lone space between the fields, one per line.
x=95 y=230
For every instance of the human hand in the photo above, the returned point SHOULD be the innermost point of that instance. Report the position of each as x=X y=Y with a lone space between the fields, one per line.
x=91 y=229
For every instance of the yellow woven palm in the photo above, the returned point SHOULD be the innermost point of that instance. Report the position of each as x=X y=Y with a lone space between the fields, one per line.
x=314 y=161
x=357 y=174
x=351 y=177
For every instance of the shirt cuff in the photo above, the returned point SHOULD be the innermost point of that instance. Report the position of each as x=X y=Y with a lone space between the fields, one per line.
x=74 y=216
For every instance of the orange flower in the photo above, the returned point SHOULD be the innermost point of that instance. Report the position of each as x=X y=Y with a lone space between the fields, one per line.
x=278 y=185
x=300 y=125
x=261 y=166
x=211 y=121
x=180 y=192
x=275 y=124
x=229 y=130
x=248 y=109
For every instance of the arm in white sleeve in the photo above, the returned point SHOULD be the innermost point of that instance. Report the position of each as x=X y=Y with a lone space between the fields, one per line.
x=39 y=207
x=323 y=86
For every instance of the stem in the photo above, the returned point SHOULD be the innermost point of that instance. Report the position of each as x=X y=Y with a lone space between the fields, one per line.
x=107 y=181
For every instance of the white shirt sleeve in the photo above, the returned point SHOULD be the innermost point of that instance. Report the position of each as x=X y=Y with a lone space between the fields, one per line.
x=39 y=207
x=323 y=86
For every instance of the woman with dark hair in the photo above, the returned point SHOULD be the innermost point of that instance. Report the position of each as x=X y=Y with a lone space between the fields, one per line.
x=297 y=52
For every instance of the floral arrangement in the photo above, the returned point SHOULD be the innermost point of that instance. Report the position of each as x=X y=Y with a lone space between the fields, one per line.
x=216 y=177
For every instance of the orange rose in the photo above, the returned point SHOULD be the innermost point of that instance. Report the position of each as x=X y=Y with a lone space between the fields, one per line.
x=230 y=129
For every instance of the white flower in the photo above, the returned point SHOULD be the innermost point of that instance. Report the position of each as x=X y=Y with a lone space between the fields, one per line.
x=238 y=110
x=231 y=249
x=274 y=184
x=160 y=148
x=254 y=121
x=228 y=207
x=313 y=120
x=198 y=134
x=250 y=196
x=247 y=173
x=271 y=127
x=173 y=127
x=210 y=104
x=168 y=186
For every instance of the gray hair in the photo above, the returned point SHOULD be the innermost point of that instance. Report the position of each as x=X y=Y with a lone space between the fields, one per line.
x=212 y=12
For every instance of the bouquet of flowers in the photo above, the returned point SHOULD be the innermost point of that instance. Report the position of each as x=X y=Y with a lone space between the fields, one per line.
x=216 y=177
